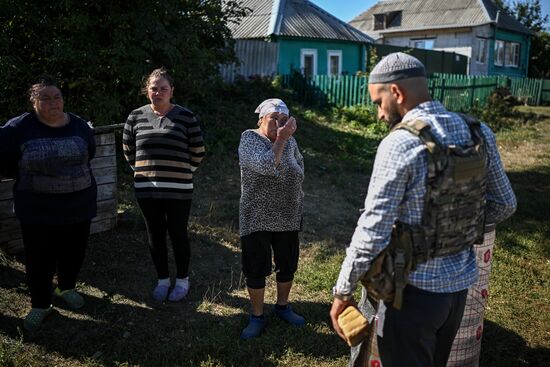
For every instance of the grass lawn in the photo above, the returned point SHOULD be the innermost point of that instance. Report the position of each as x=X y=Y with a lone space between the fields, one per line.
x=121 y=326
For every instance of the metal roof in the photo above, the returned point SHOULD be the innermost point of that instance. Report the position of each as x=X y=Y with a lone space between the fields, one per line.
x=504 y=19
x=437 y=14
x=293 y=18
x=256 y=23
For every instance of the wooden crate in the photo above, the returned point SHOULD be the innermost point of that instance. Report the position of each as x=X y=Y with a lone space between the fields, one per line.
x=105 y=172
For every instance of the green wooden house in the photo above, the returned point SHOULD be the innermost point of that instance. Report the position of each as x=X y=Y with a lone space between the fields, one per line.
x=495 y=42
x=282 y=36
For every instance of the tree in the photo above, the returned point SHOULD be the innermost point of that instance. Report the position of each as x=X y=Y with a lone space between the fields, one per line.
x=539 y=66
x=99 y=50
x=529 y=13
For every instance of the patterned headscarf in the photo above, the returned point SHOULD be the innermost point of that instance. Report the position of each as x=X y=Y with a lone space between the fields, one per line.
x=272 y=105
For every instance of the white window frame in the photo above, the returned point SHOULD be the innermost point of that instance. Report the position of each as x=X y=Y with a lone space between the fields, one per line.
x=515 y=51
x=499 y=45
x=481 y=55
x=511 y=53
x=308 y=52
x=331 y=53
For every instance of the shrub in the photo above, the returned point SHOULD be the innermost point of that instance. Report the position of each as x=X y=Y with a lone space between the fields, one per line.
x=498 y=112
x=360 y=116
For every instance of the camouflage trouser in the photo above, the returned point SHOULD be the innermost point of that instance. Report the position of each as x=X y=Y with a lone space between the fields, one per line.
x=361 y=353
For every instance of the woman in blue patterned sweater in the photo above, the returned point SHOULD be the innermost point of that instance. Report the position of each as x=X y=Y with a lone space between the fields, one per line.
x=48 y=152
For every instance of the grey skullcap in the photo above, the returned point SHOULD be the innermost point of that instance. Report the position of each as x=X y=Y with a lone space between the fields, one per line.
x=396 y=66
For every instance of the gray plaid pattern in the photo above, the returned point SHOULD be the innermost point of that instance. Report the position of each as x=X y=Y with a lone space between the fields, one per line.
x=396 y=192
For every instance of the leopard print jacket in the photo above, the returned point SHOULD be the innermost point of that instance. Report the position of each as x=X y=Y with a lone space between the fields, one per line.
x=271 y=197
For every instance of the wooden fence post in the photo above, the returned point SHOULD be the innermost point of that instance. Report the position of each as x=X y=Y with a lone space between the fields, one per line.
x=472 y=90
x=539 y=94
x=442 y=90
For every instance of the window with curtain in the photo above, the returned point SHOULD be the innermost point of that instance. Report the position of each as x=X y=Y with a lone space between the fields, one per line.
x=308 y=61
x=334 y=62
x=481 y=50
x=512 y=54
x=499 y=53
x=507 y=53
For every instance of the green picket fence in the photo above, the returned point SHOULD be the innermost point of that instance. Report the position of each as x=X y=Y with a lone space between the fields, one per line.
x=456 y=92
x=322 y=90
x=545 y=92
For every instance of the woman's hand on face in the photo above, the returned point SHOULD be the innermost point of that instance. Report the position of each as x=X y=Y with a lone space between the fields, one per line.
x=286 y=131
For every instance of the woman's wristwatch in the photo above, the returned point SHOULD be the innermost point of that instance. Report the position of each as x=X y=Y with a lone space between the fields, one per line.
x=341 y=297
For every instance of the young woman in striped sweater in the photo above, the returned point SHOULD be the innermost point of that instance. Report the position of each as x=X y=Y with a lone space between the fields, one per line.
x=163 y=144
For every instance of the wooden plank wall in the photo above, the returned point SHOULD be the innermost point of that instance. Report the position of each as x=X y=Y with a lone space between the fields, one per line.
x=10 y=233
x=105 y=172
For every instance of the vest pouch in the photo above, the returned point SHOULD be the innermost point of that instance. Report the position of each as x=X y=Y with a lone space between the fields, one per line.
x=379 y=280
x=389 y=271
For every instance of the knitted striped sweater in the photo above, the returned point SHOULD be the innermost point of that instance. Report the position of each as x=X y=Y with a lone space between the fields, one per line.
x=163 y=152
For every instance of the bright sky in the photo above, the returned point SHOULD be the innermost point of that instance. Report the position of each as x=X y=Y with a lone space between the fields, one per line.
x=346 y=10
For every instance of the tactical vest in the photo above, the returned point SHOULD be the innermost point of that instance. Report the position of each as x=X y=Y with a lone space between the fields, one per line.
x=453 y=214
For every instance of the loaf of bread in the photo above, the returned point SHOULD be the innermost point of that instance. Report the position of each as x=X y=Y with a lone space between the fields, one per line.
x=354 y=325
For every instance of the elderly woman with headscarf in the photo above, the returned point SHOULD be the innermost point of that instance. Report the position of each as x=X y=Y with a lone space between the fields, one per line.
x=272 y=172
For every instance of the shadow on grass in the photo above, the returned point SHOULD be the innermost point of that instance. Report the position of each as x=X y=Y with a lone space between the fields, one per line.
x=530 y=225
x=162 y=336
x=120 y=322
x=501 y=347
x=13 y=278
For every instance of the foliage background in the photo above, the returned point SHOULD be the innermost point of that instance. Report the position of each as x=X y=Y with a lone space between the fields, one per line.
x=99 y=51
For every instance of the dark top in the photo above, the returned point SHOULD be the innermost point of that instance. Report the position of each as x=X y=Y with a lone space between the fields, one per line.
x=51 y=165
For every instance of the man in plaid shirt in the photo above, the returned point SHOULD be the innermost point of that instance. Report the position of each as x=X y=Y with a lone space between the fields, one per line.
x=422 y=332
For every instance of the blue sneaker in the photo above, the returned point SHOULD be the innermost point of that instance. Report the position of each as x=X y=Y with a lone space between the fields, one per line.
x=160 y=292
x=36 y=317
x=71 y=298
x=178 y=293
x=290 y=316
x=254 y=328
